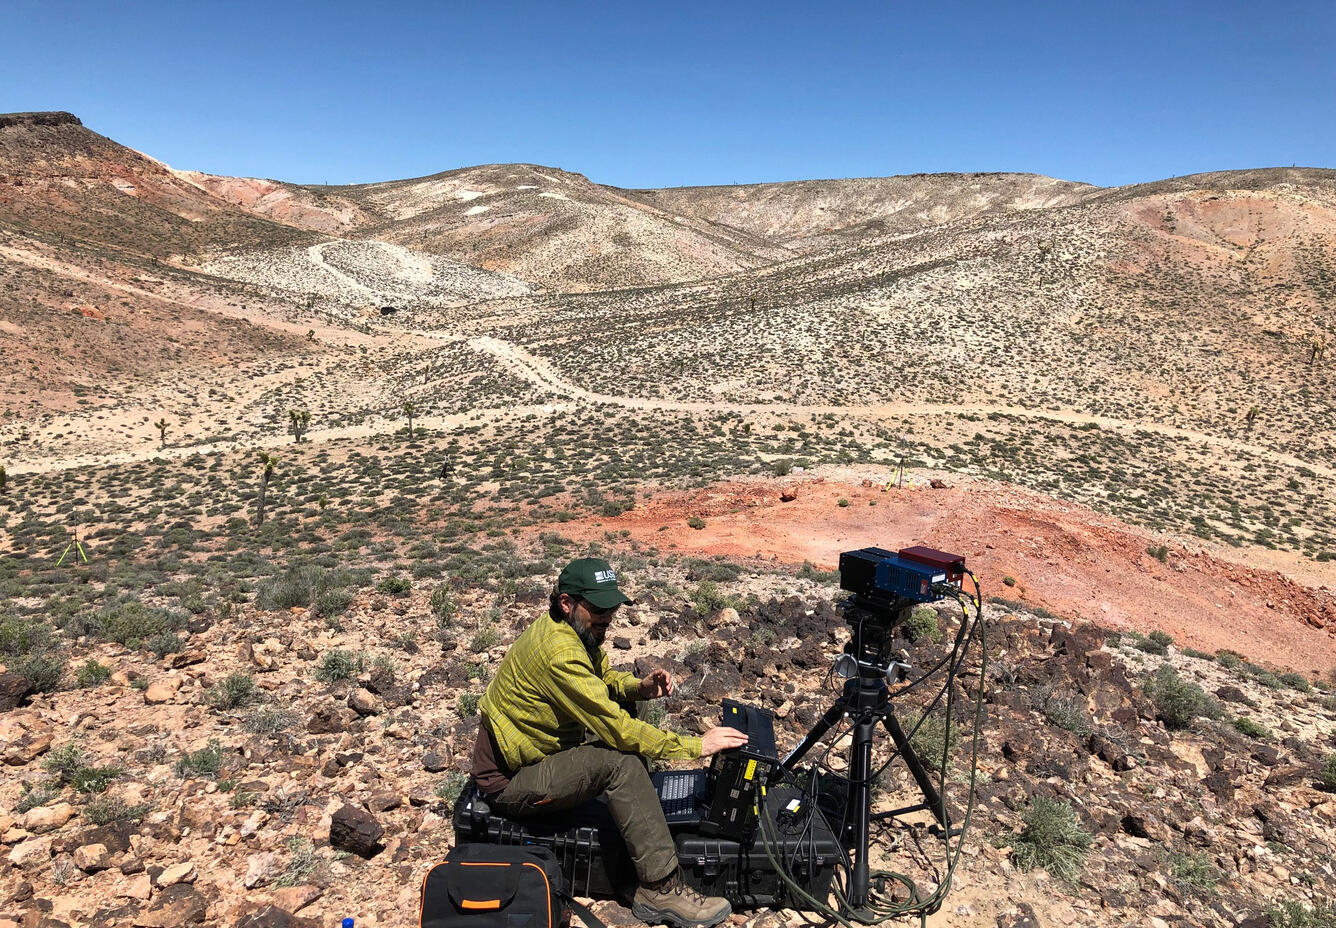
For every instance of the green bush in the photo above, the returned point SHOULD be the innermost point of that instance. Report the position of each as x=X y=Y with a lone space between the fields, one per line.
x=929 y=739
x=695 y=522
x=43 y=671
x=485 y=638
x=234 y=690
x=1289 y=914
x=781 y=468
x=1252 y=729
x=443 y=606
x=165 y=643
x=450 y=788
x=131 y=623
x=67 y=763
x=338 y=665
x=922 y=624
x=331 y=602
x=1328 y=775
x=1159 y=552
x=395 y=586
x=1296 y=681
x=1230 y=660
x=205 y=762
x=107 y=809
x=1053 y=839
x=467 y=704
x=1161 y=638
x=91 y=673
x=268 y=720
x=1178 y=702
x=304 y=585
x=1194 y=873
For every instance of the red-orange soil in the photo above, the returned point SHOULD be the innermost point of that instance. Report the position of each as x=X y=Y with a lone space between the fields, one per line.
x=1063 y=557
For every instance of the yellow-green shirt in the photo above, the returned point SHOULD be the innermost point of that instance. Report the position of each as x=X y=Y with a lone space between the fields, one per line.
x=550 y=691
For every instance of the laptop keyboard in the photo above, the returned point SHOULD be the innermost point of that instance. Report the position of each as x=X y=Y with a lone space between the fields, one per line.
x=677 y=794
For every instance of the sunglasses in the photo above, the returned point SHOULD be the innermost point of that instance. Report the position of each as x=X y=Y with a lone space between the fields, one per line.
x=597 y=612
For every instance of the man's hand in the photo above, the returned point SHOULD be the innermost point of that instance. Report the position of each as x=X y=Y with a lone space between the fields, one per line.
x=657 y=683
x=721 y=739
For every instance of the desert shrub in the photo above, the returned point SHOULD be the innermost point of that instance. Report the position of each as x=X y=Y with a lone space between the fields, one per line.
x=68 y=764
x=1328 y=775
x=303 y=863
x=1009 y=580
x=1155 y=643
x=338 y=665
x=43 y=671
x=268 y=720
x=164 y=643
x=695 y=522
x=1159 y=552
x=443 y=606
x=1296 y=681
x=1230 y=660
x=107 y=809
x=1194 y=873
x=130 y=622
x=698 y=568
x=91 y=673
x=929 y=738
x=1065 y=711
x=922 y=624
x=467 y=704
x=1178 y=702
x=450 y=788
x=1161 y=638
x=234 y=690
x=205 y=762
x=331 y=602
x=395 y=586
x=1252 y=729
x=1052 y=838
x=809 y=571
x=302 y=585
x=1289 y=914
x=32 y=796
x=484 y=638
x=781 y=468
x=1197 y=655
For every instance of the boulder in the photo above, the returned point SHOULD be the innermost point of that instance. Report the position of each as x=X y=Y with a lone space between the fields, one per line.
x=92 y=858
x=273 y=916
x=183 y=872
x=47 y=818
x=356 y=831
x=433 y=762
x=13 y=688
x=261 y=869
x=176 y=906
x=31 y=853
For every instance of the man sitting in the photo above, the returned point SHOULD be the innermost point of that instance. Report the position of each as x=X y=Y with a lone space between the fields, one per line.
x=554 y=689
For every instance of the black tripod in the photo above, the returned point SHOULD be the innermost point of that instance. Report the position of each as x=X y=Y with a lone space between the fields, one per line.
x=866 y=700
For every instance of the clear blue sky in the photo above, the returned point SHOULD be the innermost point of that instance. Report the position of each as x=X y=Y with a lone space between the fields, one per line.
x=649 y=95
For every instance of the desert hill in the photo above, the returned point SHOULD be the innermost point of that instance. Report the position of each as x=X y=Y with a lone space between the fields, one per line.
x=286 y=468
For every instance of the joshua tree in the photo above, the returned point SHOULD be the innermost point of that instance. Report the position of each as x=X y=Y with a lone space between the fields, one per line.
x=267 y=462
x=1316 y=349
x=299 y=420
x=161 y=426
x=1251 y=416
x=410 y=411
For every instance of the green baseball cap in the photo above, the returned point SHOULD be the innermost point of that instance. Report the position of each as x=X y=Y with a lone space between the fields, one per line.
x=593 y=580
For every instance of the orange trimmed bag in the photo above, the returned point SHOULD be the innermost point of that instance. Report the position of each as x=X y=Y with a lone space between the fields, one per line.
x=499 y=886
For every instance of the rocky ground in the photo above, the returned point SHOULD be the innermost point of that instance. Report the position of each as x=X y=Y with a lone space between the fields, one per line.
x=282 y=767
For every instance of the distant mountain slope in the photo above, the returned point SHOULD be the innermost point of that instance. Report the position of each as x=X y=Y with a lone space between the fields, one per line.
x=805 y=214
x=62 y=182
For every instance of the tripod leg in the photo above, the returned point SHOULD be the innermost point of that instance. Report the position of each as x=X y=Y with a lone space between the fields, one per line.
x=860 y=801
x=915 y=766
x=818 y=732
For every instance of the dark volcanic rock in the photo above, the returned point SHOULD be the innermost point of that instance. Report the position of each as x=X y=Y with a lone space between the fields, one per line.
x=271 y=916
x=356 y=831
x=54 y=118
x=13 y=687
x=326 y=720
x=433 y=762
x=176 y=906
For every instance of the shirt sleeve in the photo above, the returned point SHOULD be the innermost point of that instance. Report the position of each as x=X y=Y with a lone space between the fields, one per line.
x=577 y=693
x=623 y=685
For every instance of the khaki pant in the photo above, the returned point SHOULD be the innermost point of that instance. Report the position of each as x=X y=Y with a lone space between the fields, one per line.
x=573 y=777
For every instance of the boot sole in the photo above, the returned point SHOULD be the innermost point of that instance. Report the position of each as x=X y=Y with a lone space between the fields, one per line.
x=651 y=915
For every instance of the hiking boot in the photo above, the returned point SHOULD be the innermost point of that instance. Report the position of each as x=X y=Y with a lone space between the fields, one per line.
x=673 y=902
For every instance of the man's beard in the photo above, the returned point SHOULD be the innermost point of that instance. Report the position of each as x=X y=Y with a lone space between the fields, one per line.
x=593 y=640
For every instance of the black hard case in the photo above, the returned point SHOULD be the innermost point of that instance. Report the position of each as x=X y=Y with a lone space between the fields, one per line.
x=584 y=840
x=743 y=873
